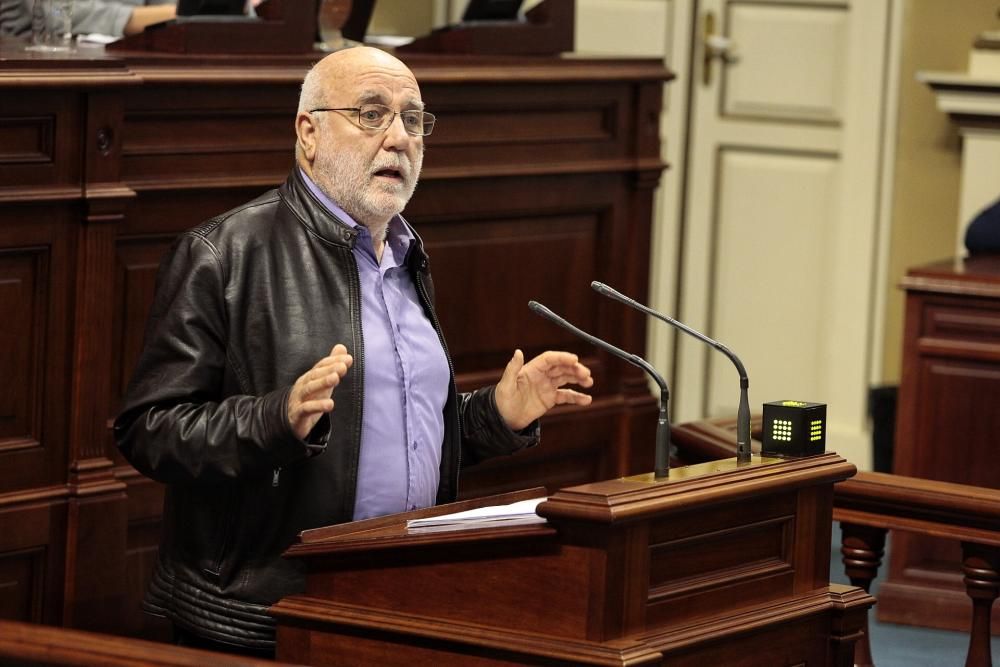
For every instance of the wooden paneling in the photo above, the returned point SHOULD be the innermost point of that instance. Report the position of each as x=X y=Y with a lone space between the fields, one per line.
x=159 y=215
x=34 y=299
x=40 y=135
x=182 y=135
x=548 y=252
x=697 y=564
x=135 y=280
x=21 y=578
x=27 y=139
x=577 y=453
x=946 y=426
x=23 y=300
x=32 y=543
x=973 y=321
x=528 y=127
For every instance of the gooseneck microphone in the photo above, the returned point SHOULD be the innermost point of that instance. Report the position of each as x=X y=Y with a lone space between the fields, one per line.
x=661 y=468
x=743 y=412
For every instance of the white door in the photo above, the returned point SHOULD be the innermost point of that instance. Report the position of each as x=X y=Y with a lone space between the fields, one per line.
x=777 y=258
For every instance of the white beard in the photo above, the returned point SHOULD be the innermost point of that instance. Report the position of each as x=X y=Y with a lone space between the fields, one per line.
x=349 y=179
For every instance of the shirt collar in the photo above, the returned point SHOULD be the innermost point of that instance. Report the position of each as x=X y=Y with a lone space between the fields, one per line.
x=398 y=234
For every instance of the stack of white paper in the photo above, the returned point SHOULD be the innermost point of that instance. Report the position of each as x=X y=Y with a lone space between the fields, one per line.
x=494 y=516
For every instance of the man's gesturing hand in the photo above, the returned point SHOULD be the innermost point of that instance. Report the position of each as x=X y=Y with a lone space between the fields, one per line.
x=528 y=391
x=311 y=394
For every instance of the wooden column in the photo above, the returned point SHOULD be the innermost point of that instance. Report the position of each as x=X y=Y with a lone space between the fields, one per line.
x=97 y=512
x=862 y=548
x=61 y=510
x=981 y=565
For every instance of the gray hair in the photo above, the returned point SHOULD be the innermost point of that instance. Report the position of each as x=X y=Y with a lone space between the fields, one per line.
x=310 y=97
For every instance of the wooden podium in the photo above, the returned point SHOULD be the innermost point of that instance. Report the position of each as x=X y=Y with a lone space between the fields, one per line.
x=724 y=564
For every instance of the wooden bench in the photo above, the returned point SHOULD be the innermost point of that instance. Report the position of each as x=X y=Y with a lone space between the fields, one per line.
x=25 y=644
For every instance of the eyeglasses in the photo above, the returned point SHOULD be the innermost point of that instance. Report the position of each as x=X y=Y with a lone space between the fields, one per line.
x=379 y=117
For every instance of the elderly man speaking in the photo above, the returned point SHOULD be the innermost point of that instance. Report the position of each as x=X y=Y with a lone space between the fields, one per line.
x=294 y=373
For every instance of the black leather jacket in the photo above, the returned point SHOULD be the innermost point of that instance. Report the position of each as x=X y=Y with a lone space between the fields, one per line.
x=245 y=304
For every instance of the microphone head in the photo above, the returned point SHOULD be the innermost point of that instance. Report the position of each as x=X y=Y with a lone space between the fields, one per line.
x=598 y=286
x=543 y=311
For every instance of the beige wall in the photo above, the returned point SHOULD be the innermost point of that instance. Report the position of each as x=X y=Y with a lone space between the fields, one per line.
x=402 y=17
x=417 y=17
x=936 y=35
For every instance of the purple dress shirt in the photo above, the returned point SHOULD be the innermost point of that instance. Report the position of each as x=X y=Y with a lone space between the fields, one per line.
x=405 y=379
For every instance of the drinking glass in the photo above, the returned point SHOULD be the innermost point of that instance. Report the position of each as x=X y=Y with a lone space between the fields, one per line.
x=62 y=11
x=51 y=26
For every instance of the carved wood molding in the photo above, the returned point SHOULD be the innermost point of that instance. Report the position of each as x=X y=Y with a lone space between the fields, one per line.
x=41 y=644
x=944 y=509
x=514 y=642
x=44 y=494
x=842 y=599
x=633 y=498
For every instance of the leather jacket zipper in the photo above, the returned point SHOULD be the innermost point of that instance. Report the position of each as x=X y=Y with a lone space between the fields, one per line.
x=357 y=368
x=275 y=477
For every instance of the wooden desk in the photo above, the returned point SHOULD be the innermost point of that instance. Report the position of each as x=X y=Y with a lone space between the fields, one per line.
x=538 y=179
x=946 y=427
x=869 y=504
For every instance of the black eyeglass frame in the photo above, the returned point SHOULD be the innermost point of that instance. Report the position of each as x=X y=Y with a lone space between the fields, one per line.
x=424 y=116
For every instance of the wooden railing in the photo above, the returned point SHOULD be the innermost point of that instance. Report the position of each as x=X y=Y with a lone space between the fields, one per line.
x=870 y=504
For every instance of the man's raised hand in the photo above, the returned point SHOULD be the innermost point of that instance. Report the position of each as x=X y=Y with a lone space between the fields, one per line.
x=528 y=391
x=312 y=393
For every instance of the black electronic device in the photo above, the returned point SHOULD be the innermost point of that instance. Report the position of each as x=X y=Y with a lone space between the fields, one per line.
x=793 y=428
x=491 y=10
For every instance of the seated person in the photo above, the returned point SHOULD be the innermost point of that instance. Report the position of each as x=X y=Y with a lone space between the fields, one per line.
x=107 y=17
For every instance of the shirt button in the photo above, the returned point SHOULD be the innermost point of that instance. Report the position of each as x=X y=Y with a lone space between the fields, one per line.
x=414 y=446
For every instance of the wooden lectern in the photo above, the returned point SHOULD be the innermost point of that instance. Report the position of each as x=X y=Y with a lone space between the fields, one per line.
x=281 y=27
x=723 y=564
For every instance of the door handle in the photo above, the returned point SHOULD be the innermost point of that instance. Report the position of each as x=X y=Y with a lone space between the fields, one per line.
x=714 y=47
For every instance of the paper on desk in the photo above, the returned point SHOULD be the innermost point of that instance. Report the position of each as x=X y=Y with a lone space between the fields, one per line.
x=388 y=40
x=495 y=515
x=96 y=38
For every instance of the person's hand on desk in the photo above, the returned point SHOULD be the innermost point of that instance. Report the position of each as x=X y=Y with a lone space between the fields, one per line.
x=311 y=395
x=528 y=391
x=142 y=17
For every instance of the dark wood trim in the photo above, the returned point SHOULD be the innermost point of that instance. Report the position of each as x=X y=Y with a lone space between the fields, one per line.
x=29 y=644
